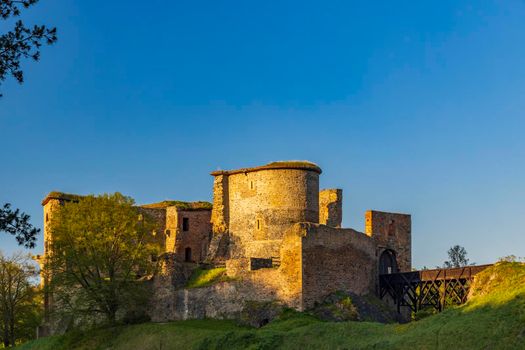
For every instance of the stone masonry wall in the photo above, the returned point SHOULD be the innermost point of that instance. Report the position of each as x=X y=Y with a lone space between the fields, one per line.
x=335 y=260
x=49 y=209
x=171 y=301
x=172 y=226
x=198 y=235
x=264 y=204
x=391 y=231
x=220 y=211
x=331 y=207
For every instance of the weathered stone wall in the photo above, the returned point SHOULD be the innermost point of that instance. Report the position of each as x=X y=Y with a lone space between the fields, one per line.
x=331 y=207
x=225 y=300
x=220 y=211
x=391 y=231
x=263 y=204
x=172 y=227
x=335 y=259
x=196 y=238
x=274 y=211
x=316 y=260
x=291 y=268
x=50 y=208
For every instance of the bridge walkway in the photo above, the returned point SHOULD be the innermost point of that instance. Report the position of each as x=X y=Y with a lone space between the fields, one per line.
x=437 y=288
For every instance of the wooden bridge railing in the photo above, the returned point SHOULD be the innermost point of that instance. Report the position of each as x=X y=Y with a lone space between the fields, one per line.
x=436 y=288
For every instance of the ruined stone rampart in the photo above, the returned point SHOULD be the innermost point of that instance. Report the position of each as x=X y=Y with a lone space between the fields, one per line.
x=331 y=207
x=335 y=260
x=279 y=238
x=393 y=232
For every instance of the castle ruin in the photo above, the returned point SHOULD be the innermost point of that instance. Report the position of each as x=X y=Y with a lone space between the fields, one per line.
x=278 y=236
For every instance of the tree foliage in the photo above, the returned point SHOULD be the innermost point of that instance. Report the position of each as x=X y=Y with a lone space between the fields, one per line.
x=457 y=257
x=17 y=224
x=101 y=247
x=19 y=300
x=21 y=42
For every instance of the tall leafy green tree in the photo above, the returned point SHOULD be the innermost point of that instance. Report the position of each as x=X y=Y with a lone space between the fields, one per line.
x=19 y=299
x=457 y=257
x=17 y=223
x=101 y=247
x=21 y=42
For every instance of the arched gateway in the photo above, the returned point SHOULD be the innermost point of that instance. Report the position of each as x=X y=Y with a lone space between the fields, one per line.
x=388 y=262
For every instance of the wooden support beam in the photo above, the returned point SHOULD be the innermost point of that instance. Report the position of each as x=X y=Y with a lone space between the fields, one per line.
x=435 y=288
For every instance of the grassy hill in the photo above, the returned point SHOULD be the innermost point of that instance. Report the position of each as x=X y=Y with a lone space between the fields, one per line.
x=494 y=318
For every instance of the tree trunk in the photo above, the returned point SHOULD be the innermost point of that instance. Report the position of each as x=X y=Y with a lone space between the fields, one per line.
x=5 y=336
x=12 y=331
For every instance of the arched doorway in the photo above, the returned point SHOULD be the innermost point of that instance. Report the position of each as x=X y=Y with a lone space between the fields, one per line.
x=187 y=254
x=387 y=262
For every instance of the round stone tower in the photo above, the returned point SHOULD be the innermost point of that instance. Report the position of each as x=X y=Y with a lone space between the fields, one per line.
x=257 y=205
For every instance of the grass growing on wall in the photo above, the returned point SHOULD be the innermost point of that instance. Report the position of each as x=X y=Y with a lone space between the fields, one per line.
x=207 y=277
x=493 y=319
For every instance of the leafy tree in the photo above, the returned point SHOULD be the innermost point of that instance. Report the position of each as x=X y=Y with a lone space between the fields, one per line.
x=19 y=300
x=20 y=42
x=101 y=246
x=17 y=224
x=457 y=257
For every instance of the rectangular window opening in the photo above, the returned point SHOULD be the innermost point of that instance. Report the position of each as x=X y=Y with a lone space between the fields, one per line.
x=185 y=224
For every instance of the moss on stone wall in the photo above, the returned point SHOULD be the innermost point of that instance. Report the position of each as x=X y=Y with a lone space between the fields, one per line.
x=200 y=205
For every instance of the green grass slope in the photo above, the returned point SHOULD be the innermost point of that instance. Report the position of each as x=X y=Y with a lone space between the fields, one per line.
x=494 y=318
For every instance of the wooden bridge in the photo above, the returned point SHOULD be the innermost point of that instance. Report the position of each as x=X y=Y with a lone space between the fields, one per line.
x=436 y=288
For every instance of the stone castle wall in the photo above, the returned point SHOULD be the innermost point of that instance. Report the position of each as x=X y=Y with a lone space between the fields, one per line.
x=262 y=204
x=331 y=207
x=274 y=212
x=315 y=261
x=196 y=238
x=394 y=232
x=221 y=199
x=335 y=260
x=49 y=209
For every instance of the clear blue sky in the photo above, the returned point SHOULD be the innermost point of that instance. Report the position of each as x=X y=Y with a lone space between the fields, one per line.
x=409 y=106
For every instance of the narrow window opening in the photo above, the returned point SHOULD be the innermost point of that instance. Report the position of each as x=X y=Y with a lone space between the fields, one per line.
x=392 y=228
x=258 y=224
x=251 y=185
x=47 y=217
x=168 y=233
x=187 y=254
x=185 y=224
